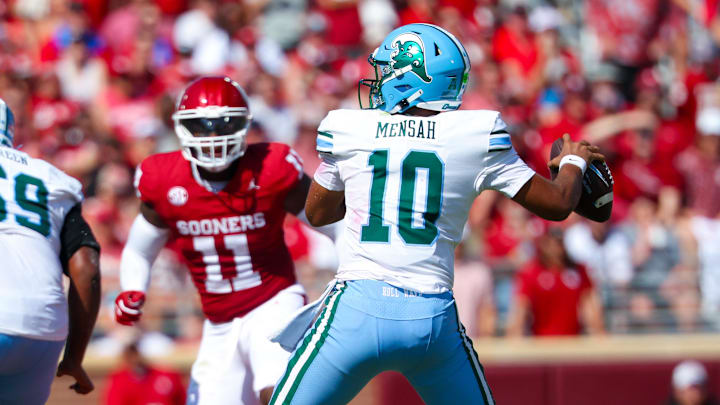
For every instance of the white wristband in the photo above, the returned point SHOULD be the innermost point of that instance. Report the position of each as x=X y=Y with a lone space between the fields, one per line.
x=574 y=160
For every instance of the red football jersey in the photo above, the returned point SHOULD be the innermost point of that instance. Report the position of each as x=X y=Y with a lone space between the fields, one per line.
x=232 y=241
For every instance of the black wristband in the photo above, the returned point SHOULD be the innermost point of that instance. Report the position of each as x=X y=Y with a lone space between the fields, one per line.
x=75 y=234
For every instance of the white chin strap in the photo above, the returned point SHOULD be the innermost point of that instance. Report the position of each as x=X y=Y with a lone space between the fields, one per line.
x=409 y=100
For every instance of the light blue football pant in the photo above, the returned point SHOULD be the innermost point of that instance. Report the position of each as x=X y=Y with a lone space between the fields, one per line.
x=27 y=368
x=368 y=327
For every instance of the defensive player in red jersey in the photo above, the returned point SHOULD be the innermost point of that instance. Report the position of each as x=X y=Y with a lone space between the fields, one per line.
x=223 y=202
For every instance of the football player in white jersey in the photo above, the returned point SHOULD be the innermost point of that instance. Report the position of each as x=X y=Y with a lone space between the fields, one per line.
x=403 y=174
x=42 y=235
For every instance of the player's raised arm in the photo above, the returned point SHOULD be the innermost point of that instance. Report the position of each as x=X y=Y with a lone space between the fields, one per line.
x=148 y=235
x=80 y=253
x=323 y=206
x=555 y=200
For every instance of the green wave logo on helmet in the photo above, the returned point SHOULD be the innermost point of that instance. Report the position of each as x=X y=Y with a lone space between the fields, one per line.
x=409 y=51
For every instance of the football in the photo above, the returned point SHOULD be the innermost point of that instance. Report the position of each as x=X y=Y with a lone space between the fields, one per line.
x=597 y=188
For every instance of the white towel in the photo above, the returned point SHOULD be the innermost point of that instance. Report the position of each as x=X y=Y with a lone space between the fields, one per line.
x=289 y=334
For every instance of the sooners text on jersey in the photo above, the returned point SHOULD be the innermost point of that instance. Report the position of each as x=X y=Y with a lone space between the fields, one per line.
x=232 y=241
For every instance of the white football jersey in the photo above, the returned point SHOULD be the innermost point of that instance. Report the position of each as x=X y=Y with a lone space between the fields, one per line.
x=409 y=182
x=34 y=199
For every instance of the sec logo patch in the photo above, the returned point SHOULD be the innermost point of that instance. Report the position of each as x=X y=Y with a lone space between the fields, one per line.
x=177 y=196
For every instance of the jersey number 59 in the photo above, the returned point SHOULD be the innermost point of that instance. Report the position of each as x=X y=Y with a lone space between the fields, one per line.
x=37 y=206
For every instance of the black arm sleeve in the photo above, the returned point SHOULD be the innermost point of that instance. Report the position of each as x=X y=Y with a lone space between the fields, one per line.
x=75 y=234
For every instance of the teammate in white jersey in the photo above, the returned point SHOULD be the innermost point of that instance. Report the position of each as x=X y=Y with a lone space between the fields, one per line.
x=42 y=235
x=403 y=174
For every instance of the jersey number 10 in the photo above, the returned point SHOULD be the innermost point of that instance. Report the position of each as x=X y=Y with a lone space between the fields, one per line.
x=375 y=230
x=38 y=206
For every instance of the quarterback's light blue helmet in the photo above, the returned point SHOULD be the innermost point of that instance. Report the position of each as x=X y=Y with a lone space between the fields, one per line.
x=417 y=65
x=7 y=125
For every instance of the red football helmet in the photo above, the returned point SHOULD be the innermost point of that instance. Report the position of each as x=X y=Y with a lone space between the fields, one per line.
x=212 y=120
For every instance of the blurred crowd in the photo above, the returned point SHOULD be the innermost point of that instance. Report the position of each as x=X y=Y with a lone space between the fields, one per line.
x=93 y=85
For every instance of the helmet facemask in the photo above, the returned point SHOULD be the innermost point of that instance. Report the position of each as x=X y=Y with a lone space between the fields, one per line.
x=212 y=137
x=375 y=98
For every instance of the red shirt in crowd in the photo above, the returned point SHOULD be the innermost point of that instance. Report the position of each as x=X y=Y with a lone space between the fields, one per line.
x=702 y=182
x=554 y=296
x=500 y=237
x=508 y=45
x=626 y=27
x=635 y=178
x=156 y=387
x=344 y=27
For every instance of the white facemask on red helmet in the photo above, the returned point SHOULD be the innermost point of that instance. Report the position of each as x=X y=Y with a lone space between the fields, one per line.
x=212 y=120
